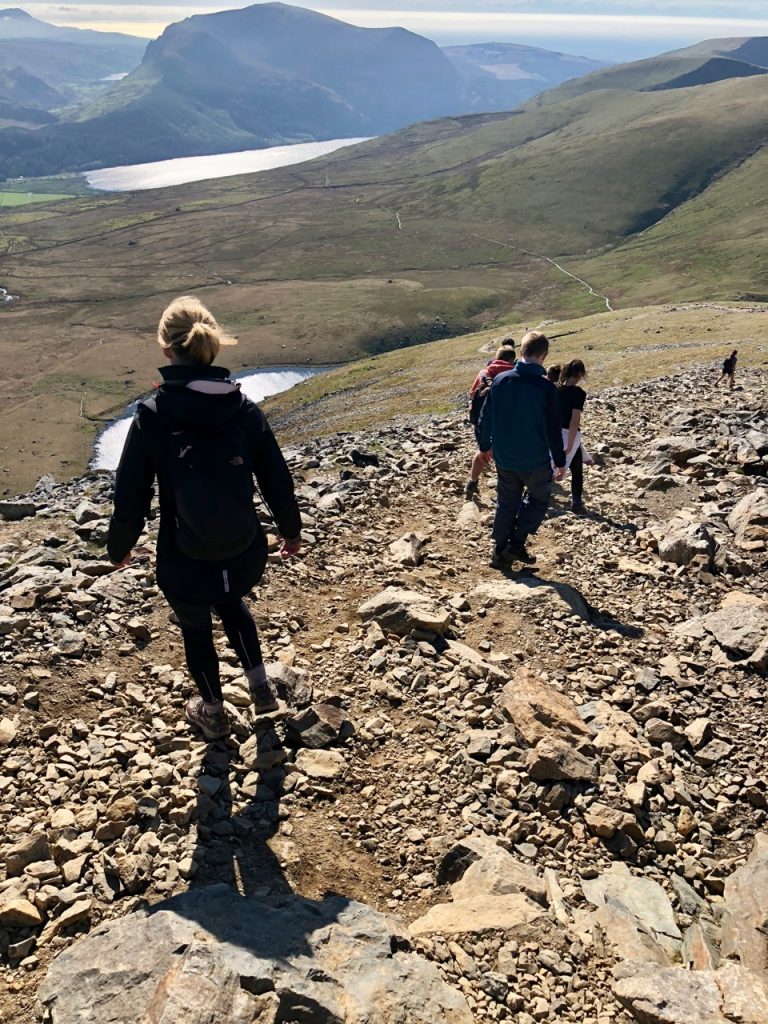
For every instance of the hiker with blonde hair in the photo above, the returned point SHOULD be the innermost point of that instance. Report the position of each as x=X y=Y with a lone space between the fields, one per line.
x=203 y=442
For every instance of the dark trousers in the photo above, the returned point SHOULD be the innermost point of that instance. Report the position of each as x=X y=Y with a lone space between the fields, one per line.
x=522 y=500
x=577 y=476
x=197 y=632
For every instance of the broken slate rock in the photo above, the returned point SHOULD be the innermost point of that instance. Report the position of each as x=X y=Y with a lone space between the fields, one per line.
x=319 y=726
x=401 y=611
x=334 y=960
x=554 y=760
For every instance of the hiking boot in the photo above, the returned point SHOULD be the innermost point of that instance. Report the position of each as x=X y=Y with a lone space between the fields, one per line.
x=263 y=697
x=501 y=557
x=213 y=726
x=472 y=488
x=518 y=552
x=578 y=508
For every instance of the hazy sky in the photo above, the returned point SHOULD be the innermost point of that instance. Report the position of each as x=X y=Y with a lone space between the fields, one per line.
x=601 y=28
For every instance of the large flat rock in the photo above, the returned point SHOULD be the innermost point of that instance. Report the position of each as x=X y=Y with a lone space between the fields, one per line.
x=400 y=611
x=532 y=593
x=672 y=995
x=478 y=914
x=212 y=956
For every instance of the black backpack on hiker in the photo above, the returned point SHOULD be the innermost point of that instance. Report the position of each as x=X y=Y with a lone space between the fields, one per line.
x=477 y=401
x=208 y=471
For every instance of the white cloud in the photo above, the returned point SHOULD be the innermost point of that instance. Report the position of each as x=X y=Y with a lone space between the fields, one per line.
x=582 y=25
x=577 y=23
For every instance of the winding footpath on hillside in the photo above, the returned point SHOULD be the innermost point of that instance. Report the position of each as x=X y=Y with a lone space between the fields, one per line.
x=555 y=264
x=536 y=796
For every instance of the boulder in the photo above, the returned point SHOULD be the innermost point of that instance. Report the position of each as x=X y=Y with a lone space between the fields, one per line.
x=479 y=867
x=683 y=541
x=19 y=913
x=319 y=726
x=8 y=731
x=740 y=628
x=678 y=448
x=555 y=760
x=469 y=514
x=641 y=897
x=32 y=848
x=623 y=936
x=538 y=711
x=320 y=764
x=746 y=911
x=478 y=914
x=401 y=611
x=213 y=955
x=408 y=550
x=749 y=519
x=675 y=996
x=291 y=683
x=14 y=511
x=536 y=596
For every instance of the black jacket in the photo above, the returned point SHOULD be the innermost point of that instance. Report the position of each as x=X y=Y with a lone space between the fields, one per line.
x=198 y=395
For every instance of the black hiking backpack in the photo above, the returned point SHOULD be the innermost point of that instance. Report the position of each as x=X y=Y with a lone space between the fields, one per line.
x=208 y=471
x=477 y=401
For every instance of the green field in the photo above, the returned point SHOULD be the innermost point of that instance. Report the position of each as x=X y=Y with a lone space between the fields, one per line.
x=11 y=198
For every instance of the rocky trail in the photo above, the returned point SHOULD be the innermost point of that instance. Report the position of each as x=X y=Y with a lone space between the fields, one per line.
x=533 y=797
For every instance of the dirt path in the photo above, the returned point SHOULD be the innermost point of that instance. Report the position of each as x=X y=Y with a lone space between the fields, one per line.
x=555 y=264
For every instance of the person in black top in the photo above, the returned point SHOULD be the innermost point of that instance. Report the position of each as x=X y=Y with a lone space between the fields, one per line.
x=203 y=441
x=572 y=399
x=729 y=369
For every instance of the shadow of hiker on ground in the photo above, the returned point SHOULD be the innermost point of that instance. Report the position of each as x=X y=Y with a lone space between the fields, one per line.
x=591 y=515
x=267 y=939
x=578 y=605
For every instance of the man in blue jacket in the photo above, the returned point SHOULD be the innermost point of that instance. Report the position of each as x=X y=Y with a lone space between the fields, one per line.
x=521 y=422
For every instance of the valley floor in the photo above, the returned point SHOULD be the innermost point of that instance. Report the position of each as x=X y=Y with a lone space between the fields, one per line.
x=661 y=768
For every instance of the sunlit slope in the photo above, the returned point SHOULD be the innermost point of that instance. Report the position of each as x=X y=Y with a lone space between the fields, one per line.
x=715 y=246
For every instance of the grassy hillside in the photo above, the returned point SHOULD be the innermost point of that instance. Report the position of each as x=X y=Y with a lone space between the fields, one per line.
x=716 y=245
x=436 y=231
x=620 y=348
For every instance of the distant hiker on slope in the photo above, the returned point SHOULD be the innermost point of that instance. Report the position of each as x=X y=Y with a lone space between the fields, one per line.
x=729 y=369
x=521 y=422
x=572 y=399
x=203 y=440
x=504 y=360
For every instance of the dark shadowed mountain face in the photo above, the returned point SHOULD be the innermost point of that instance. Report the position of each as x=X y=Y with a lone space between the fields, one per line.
x=391 y=77
x=499 y=76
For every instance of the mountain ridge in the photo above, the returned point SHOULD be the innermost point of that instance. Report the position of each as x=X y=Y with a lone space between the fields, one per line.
x=285 y=74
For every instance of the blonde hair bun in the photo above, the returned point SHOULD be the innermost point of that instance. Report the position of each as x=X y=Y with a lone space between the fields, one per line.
x=189 y=329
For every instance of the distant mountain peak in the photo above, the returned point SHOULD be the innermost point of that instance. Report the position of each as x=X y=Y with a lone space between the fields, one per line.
x=17 y=14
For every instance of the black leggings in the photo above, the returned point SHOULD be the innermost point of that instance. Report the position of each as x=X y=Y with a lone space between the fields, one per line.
x=197 y=631
x=577 y=475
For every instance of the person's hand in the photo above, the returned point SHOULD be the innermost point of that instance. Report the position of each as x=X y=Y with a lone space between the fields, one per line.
x=559 y=474
x=125 y=562
x=289 y=548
